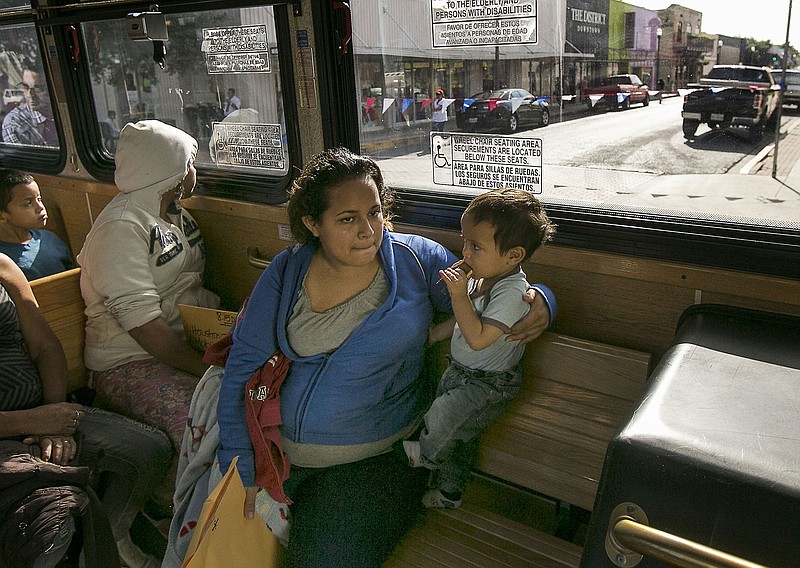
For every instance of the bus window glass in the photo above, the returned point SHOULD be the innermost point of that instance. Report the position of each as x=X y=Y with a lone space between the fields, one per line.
x=580 y=101
x=219 y=82
x=27 y=114
x=9 y=5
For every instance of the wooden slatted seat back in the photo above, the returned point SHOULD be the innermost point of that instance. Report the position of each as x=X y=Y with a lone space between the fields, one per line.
x=553 y=438
x=552 y=441
x=61 y=303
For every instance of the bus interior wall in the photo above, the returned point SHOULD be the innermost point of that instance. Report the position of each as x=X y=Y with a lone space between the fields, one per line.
x=620 y=300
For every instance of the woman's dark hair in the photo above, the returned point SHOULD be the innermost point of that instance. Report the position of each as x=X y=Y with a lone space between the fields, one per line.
x=8 y=179
x=518 y=218
x=310 y=193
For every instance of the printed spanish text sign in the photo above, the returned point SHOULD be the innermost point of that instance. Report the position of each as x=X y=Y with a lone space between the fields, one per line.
x=248 y=144
x=487 y=162
x=238 y=49
x=462 y=23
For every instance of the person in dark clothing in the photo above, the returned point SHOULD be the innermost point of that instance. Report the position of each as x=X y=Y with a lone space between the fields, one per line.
x=128 y=459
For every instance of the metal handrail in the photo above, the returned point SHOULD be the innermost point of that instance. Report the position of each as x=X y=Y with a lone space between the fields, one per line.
x=256 y=259
x=672 y=549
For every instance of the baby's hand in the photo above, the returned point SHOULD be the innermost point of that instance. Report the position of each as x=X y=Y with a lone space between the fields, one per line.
x=456 y=280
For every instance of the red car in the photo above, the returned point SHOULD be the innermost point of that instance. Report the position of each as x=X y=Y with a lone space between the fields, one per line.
x=618 y=92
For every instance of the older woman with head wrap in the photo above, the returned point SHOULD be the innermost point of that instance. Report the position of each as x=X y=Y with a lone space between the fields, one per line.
x=142 y=257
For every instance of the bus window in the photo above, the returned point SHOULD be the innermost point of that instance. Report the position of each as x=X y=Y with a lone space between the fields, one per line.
x=27 y=113
x=10 y=5
x=577 y=101
x=219 y=82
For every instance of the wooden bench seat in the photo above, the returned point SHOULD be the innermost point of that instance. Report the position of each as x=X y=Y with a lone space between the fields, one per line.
x=61 y=303
x=551 y=442
x=474 y=537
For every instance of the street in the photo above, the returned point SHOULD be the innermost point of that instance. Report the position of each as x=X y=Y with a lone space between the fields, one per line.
x=641 y=139
x=618 y=157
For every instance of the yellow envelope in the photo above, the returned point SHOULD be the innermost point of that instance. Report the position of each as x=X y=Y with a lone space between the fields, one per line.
x=203 y=326
x=224 y=537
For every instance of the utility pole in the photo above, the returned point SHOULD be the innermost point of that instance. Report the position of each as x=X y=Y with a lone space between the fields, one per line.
x=780 y=105
x=496 y=67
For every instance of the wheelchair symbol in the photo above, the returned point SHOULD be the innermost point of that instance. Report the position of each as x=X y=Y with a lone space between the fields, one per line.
x=439 y=158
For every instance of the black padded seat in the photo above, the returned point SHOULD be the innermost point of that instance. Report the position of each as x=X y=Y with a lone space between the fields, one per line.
x=762 y=336
x=712 y=451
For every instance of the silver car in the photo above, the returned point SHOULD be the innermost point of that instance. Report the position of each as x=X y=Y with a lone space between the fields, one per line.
x=791 y=94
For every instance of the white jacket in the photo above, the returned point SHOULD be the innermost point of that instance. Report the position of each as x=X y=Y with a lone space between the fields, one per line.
x=136 y=267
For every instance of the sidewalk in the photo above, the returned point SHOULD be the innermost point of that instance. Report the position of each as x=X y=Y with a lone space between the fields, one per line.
x=788 y=156
x=750 y=193
x=413 y=136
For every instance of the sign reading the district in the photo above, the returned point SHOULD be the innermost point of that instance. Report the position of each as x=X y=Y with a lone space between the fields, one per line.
x=241 y=49
x=460 y=23
x=252 y=145
x=487 y=162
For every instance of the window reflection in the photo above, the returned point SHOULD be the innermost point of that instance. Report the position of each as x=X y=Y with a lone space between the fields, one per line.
x=612 y=76
x=13 y=4
x=220 y=84
x=27 y=114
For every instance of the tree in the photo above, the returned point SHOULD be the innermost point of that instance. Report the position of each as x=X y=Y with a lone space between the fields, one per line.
x=116 y=60
x=756 y=52
x=120 y=62
x=763 y=53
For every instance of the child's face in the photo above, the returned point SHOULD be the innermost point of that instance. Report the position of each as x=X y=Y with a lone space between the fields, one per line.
x=481 y=252
x=25 y=210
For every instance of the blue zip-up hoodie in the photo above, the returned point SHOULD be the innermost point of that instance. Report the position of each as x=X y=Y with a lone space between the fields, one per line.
x=367 y=390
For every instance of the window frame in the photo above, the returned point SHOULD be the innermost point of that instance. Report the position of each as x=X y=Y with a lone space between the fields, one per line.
x=243 y=186
x=708 y=240
x=713 y=243
x=44 y=160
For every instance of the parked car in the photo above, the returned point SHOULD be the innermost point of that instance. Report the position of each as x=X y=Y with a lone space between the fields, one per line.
x=619 y=92
x=732 y=97
x=791 y=94
x=503 y=109
x=13 y=97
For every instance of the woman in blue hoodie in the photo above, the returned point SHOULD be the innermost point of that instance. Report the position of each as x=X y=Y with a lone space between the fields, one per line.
x=350 y=306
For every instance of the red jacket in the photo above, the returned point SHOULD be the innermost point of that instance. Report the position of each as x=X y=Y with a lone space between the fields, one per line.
x=263 y=414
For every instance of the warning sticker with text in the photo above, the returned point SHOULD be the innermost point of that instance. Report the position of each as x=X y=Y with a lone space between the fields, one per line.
x=487 y=162
x=460 y=23
x=240 y=49
x=253 y=145
x=238 y=63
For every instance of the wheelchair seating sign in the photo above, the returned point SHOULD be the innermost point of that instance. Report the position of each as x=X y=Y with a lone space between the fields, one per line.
x=487 y=162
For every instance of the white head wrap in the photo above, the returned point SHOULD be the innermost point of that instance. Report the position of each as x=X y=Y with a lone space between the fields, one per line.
x=152 y=155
